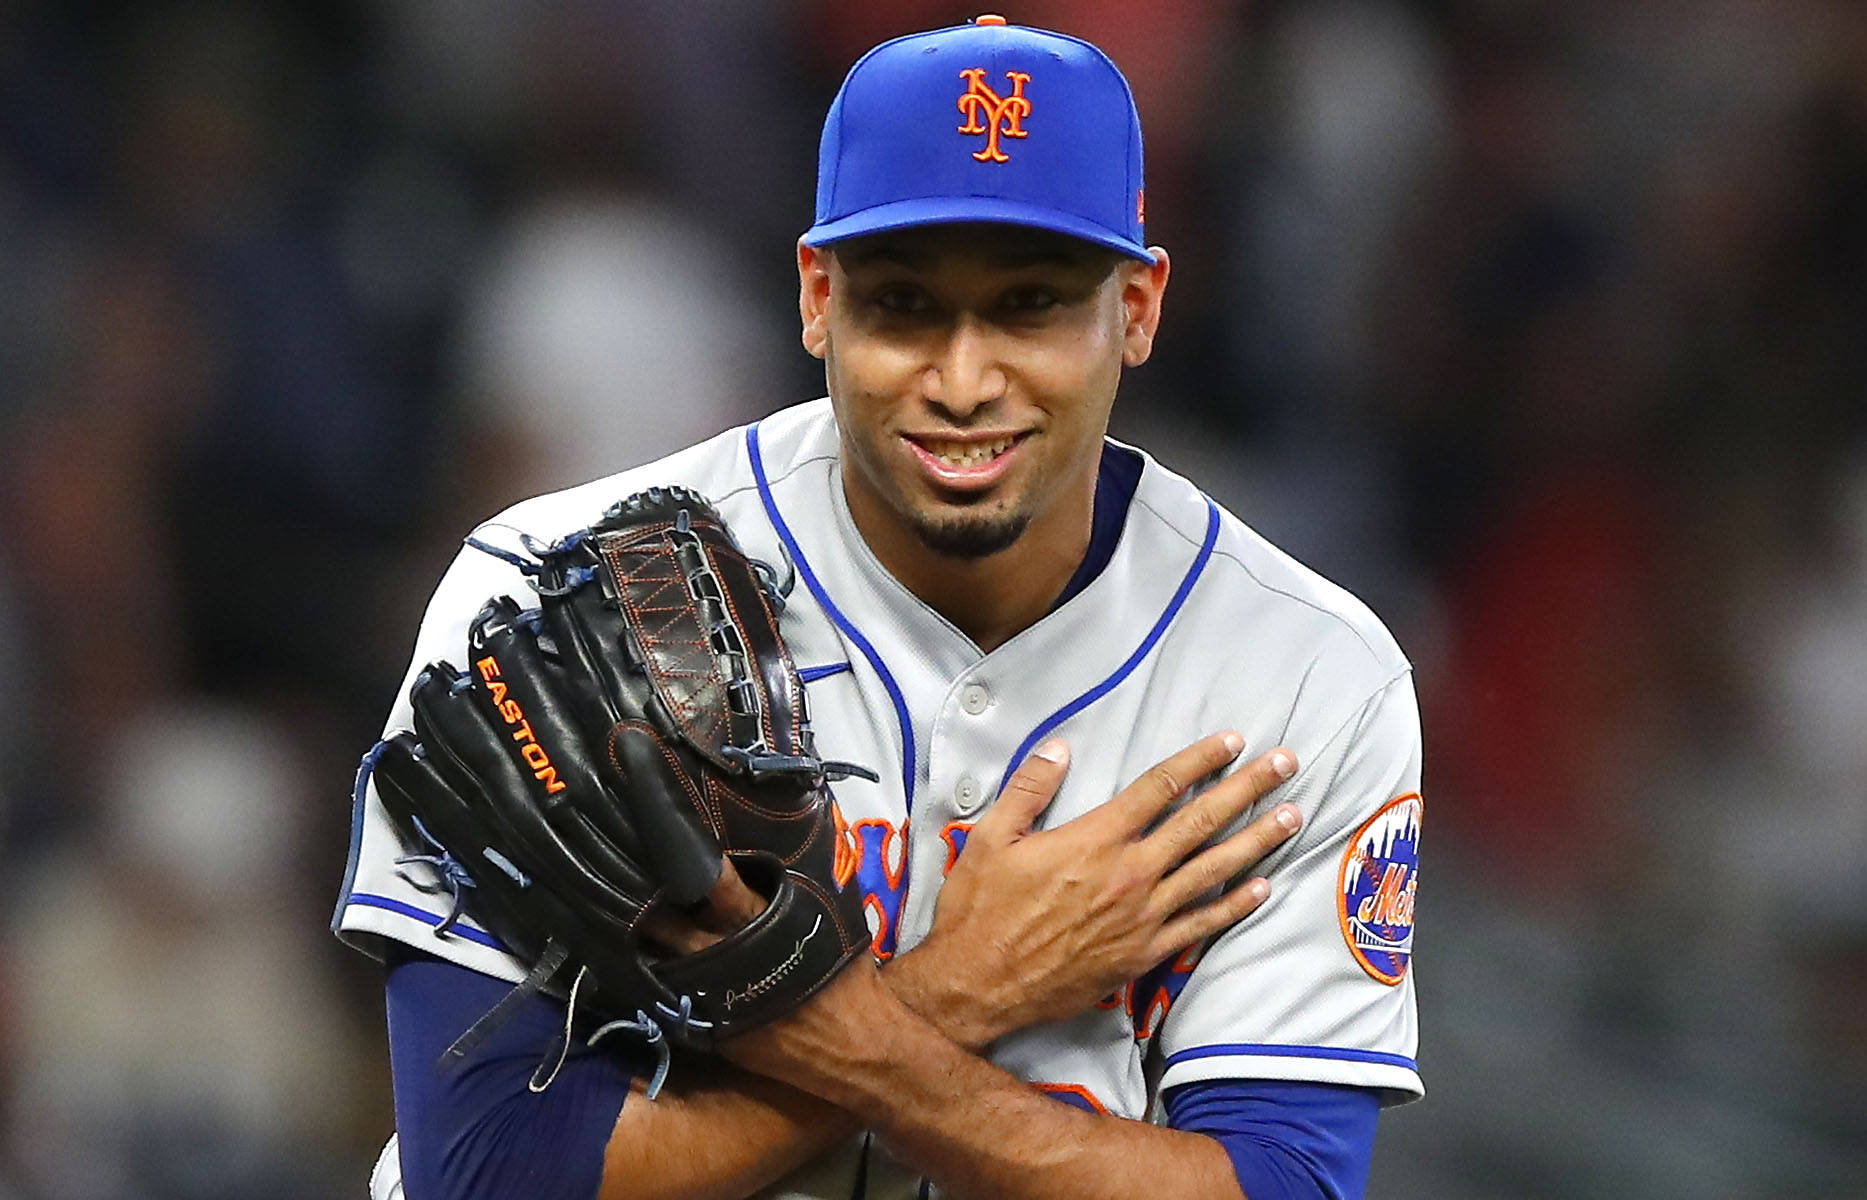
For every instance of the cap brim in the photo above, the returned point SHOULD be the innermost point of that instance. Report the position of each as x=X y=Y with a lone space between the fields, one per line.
x=950 y=210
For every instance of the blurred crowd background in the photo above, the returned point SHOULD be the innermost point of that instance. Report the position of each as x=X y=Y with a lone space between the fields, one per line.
x=1541 y=325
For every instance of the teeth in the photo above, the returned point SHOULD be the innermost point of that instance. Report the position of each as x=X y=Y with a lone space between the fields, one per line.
x=968 y=454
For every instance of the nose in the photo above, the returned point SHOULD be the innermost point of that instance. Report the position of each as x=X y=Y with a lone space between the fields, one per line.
x=966 y=374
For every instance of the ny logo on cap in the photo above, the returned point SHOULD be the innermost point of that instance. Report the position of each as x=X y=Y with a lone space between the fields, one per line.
x=1002 y=113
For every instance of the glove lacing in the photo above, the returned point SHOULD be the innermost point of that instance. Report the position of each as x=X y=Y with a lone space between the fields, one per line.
x=450 y=876
x=777 y=587
x=574 y=577
x=652 y=1032
x=760 y=764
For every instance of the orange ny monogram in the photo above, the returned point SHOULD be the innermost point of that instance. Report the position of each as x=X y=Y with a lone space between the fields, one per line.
x=1002 y=113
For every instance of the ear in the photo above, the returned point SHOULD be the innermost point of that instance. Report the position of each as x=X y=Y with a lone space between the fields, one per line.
x=1142 y=291
x=813 y=297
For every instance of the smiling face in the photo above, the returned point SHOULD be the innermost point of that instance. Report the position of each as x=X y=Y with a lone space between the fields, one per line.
x=972 y=369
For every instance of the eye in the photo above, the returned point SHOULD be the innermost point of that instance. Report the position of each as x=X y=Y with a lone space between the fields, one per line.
x=901 y=298
x=1031 y=298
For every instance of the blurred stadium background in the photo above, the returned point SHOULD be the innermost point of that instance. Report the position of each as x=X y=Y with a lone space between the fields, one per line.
x=1543 y=326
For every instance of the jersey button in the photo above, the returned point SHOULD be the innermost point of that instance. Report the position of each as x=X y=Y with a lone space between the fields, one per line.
x=967 y=794
x=975 y=698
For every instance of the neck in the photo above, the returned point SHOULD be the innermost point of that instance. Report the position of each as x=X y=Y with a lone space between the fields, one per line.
x=991 y=599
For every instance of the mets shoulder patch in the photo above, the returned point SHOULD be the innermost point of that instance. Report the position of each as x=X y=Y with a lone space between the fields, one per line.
x=1375 y=889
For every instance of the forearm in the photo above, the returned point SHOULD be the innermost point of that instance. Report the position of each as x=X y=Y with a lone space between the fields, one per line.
x=983 y=1133
x=977 y=1130
x=715 y=1133
x=719 y=1133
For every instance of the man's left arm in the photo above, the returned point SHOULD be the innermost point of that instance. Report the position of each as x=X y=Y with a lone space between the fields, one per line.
x=982 y=1132
x=964 y=1122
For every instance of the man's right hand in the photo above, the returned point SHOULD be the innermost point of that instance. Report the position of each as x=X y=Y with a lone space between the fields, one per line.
x=1037 y=926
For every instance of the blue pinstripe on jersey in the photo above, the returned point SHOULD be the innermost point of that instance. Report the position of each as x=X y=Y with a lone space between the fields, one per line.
x=836 y=616
x=1272 y=1050
x=1122 y=672
x=389 y=903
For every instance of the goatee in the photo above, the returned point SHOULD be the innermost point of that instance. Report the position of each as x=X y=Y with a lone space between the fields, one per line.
x=973 y=537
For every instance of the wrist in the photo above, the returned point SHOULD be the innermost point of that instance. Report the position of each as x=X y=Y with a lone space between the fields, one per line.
x=920 y=982
x=855 y=1044
x=811 y=1046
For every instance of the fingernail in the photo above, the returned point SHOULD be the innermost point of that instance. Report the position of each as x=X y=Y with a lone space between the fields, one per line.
x=1053 y=750
x=1235 y=742
x=1283 y=764
x=1288 y=818
x=1258 y=888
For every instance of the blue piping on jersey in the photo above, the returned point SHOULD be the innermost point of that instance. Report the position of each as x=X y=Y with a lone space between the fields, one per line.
x=813 y=674
x=836 y=617
x=1272 y=1050
x=393 y=905
x=1122 y=672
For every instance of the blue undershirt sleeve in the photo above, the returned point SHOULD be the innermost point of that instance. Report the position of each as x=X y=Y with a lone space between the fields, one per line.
x=1287 y=1140
x=475 y=1131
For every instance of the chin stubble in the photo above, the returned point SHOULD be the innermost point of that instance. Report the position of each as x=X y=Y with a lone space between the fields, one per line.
x=973 y=537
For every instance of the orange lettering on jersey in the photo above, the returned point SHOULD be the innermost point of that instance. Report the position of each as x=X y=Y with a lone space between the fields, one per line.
x=1004 y=115
x=1149 y=997
x=882 y=920
x=954 y=835
x=846 y=853
x=1074 y=1094
x=1148 y=1020
x=881 y=873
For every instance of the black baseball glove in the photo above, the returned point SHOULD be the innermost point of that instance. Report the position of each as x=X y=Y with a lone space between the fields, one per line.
x=600 y=754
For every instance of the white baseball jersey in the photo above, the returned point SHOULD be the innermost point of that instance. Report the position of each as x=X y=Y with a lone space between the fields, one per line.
x=1195 y=625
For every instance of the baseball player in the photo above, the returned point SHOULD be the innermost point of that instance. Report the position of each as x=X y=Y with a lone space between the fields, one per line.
x=1117 y=952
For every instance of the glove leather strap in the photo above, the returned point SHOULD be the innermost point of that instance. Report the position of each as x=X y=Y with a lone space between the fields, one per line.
x=772 y=965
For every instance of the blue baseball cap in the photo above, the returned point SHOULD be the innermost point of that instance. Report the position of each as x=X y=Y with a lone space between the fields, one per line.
x=983 y=122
